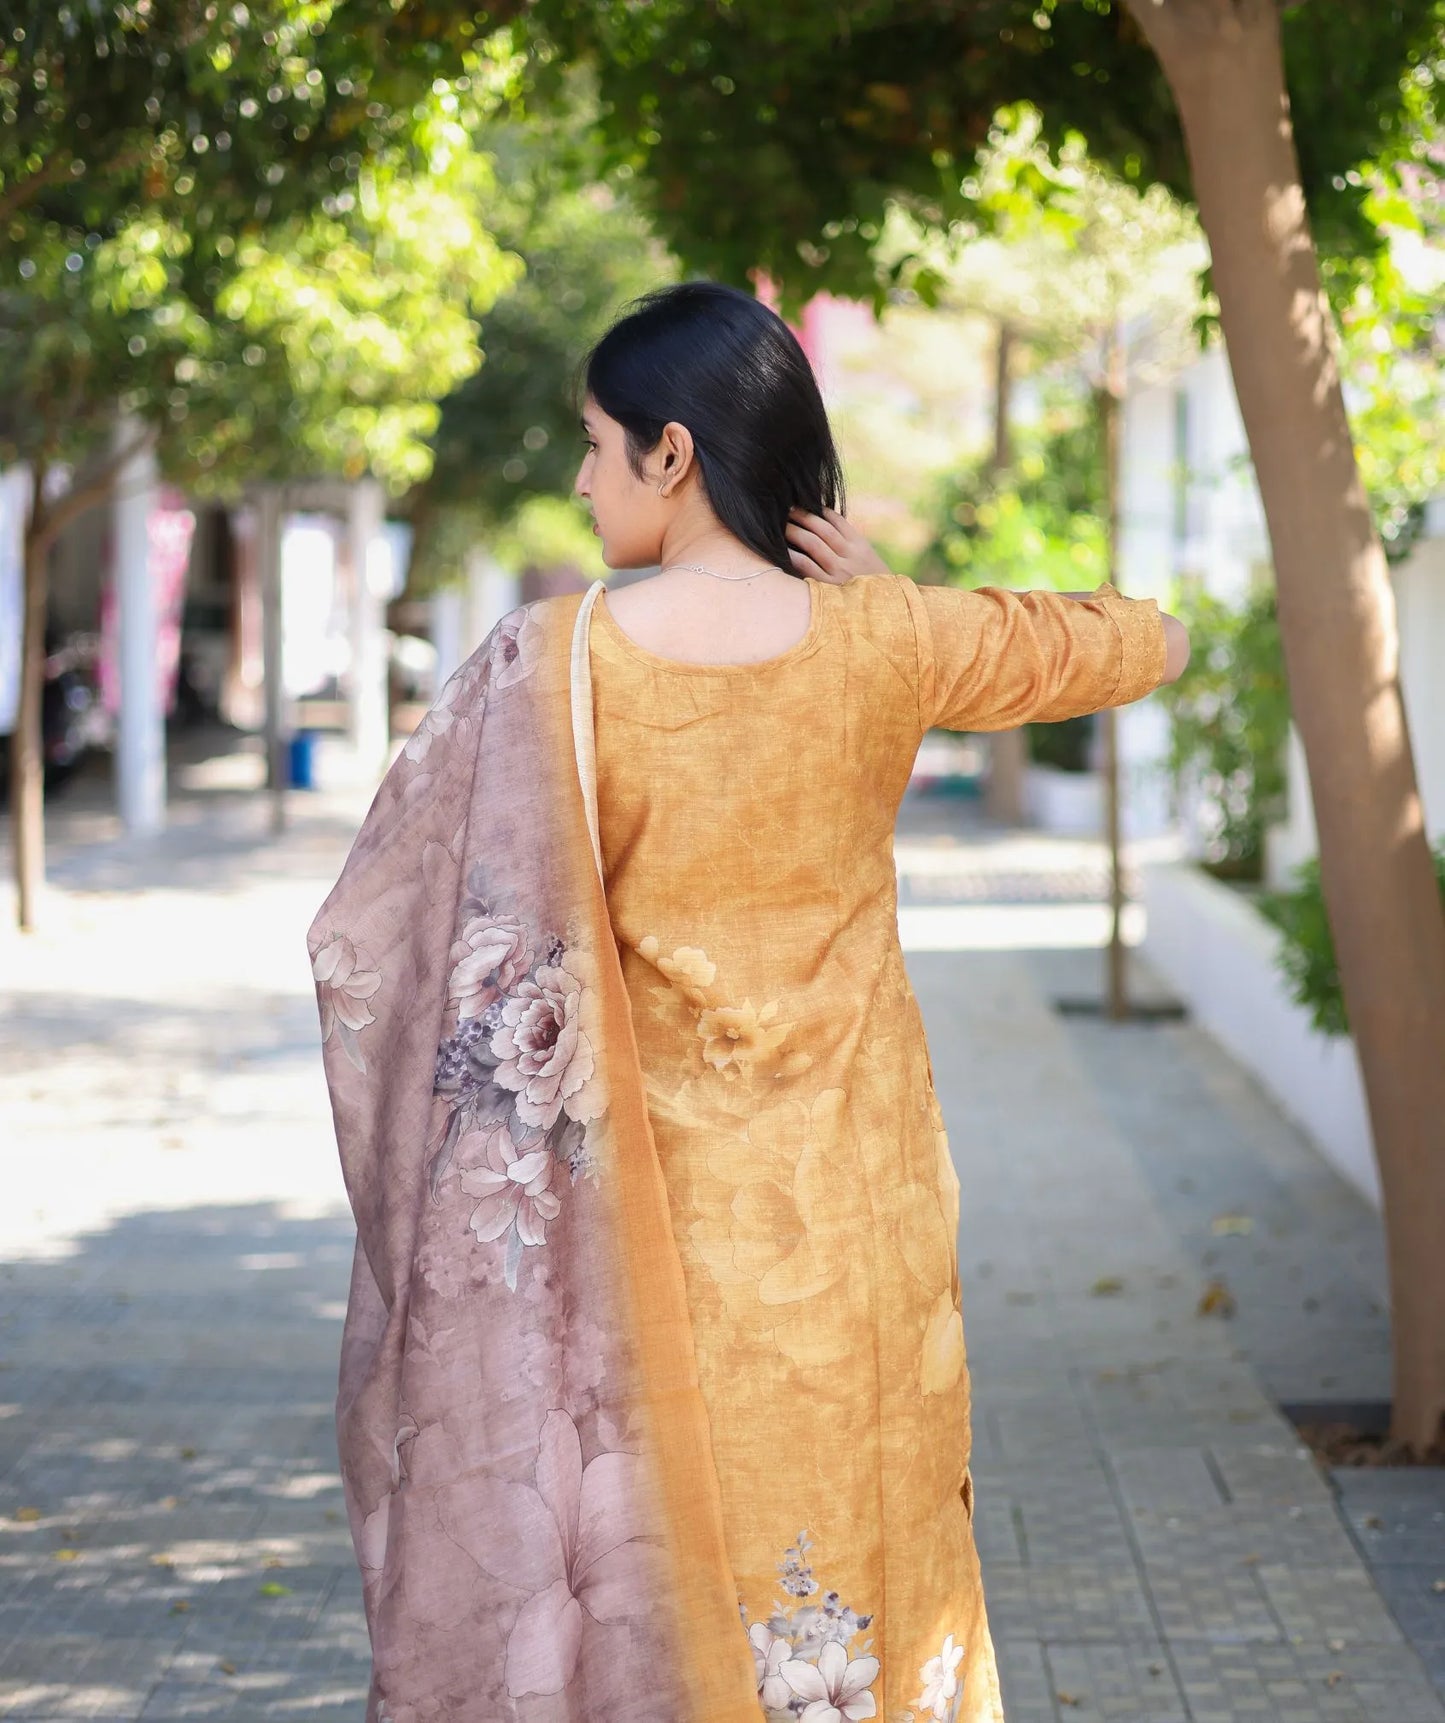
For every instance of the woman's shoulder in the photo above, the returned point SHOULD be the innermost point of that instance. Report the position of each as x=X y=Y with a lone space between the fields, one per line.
x=874 y=626
x=876 y=610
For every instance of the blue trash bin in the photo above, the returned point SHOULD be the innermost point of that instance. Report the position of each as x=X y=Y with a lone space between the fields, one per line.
x=301 y=760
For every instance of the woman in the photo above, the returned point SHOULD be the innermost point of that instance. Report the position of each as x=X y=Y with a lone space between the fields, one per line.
x=654 y=1402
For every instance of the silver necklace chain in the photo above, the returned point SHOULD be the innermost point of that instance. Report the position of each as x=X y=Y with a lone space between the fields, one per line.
x=697 y=568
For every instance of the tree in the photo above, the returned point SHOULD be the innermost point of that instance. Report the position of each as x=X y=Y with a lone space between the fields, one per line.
x=827 y=114
x=1105 y=278
x=249 y=289
x=1394 y=340
x=508 y=436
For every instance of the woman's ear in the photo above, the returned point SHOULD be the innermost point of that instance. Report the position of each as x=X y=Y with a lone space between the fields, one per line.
x=675 y=455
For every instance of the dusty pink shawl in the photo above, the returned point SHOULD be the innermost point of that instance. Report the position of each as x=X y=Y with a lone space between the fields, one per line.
x=524 y=1451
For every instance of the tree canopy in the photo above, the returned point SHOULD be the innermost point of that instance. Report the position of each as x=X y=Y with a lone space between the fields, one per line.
x=821 y=117
x=509 y=433
x=220 y=223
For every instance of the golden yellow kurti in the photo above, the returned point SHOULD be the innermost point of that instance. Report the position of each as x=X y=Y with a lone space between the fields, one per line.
x=746 y=817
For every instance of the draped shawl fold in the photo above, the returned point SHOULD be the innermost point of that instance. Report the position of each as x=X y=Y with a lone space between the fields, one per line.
x=524 y=1450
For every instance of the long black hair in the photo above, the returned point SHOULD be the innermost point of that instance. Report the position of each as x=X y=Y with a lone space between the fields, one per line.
x=719 y=362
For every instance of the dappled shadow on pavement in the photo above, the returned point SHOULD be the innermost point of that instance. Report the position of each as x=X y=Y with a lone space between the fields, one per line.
x=172 y=1536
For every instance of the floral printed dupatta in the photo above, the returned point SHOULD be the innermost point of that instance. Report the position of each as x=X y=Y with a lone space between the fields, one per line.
x=525 y=1455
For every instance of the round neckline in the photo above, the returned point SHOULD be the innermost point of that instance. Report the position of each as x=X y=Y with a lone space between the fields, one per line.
x=690 y=667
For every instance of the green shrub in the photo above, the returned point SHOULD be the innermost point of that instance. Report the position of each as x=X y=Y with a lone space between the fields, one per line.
x=1307 y=950
x=1229 y=717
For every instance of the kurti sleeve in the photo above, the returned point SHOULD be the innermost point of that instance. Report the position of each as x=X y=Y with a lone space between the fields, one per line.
x=990 y=659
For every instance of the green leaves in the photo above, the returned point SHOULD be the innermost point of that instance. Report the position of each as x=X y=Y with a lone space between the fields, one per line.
x=508 y=436
x=768 y=136
x=279 y=260
x=1229 y=723
x=1306 y=955
x=1038 y=523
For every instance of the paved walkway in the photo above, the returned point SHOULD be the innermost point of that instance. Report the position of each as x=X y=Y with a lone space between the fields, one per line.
x=173 y=1257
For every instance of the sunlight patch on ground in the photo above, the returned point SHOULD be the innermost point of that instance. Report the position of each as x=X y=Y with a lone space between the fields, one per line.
x=1013 y=926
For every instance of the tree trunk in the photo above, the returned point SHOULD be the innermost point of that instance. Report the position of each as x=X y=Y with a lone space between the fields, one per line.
x=27 y=751
x=268 y=562
x=1108 y=399
x=1337 y=619
x=1007 y=749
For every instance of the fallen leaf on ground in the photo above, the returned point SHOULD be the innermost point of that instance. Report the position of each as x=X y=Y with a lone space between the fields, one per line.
x=27 y=1516
x=1068 y=1698
x=226 y=1667
x=1106 y=1285
x=161 y=1559
x=273 y=1561
x=273 y=1589
x=188 y=1453
x=67 y=1555
x=1334 y=1678
x=180 y=1606
x=1226 y=1224
x=1215 y=1300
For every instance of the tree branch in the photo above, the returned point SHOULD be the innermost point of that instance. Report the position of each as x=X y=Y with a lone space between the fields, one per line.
x=95 y=489
x=21 y=192
x=57 y=168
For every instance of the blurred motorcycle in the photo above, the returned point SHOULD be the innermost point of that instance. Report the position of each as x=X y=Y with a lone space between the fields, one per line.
x=72 y=721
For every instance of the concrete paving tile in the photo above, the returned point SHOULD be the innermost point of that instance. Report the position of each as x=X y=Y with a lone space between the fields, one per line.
x=1157 y=1546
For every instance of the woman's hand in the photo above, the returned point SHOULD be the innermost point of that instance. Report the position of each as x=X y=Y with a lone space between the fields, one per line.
x=829 y=547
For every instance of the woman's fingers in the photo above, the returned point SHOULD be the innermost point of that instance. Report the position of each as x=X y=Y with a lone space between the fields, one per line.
x=833 y=545
x=813 y=544
x=809 y=569
x=829 y=526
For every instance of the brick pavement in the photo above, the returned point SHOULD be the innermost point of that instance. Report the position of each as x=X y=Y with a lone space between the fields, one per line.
x=173 y=1258
x=1156 y=1543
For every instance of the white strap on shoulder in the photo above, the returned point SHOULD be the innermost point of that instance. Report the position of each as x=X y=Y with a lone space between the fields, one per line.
x=584 y=735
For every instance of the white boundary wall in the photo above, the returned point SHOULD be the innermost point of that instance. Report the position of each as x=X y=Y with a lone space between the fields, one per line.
x=1217 y=951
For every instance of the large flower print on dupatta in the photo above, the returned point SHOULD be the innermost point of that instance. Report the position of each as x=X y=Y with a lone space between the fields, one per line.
x=344 y=984
x=517 y=1074
x=542 y=1052
x=514 y=1184
x=578 y=1542
x=491 y=956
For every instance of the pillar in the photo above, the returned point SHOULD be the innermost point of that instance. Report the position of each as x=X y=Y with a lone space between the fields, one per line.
x=140 y=740
x=370 y=583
